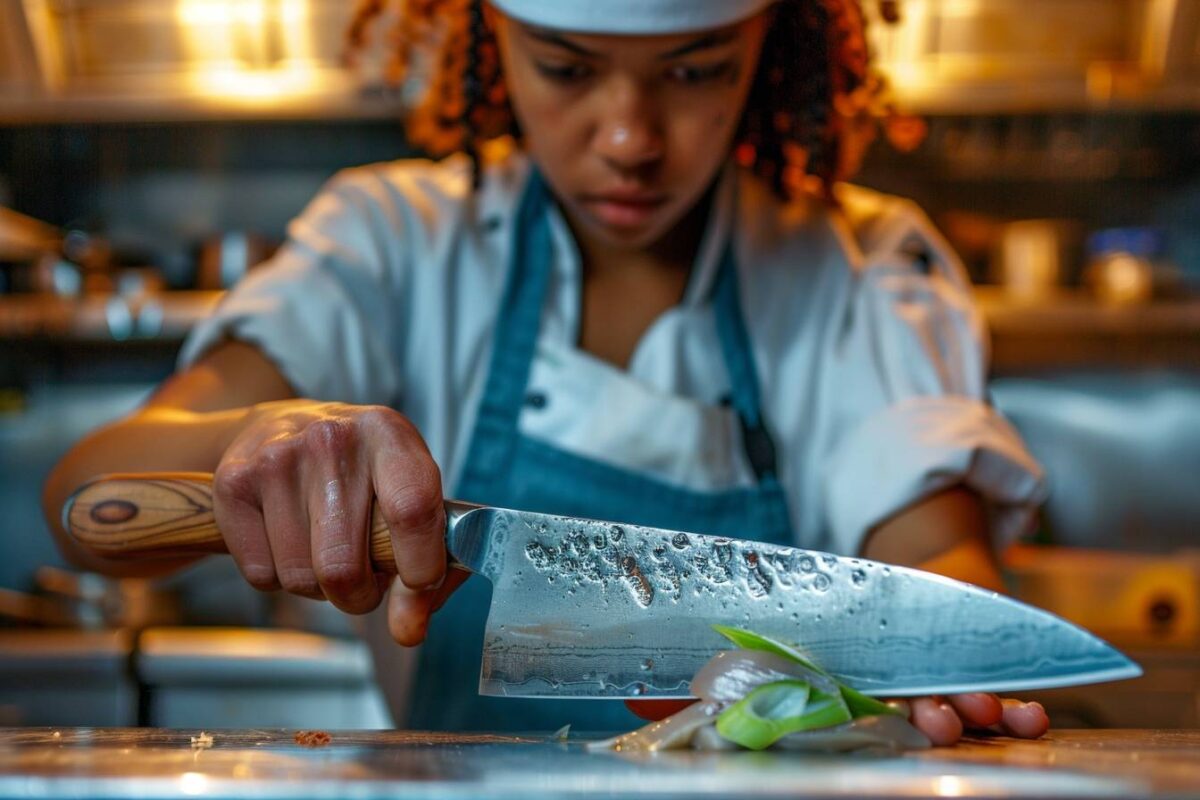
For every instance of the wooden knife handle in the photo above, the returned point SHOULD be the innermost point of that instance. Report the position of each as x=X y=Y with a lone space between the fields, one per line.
x=166 y=514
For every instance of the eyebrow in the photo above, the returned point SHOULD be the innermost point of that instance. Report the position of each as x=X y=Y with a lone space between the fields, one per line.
x=703 y=43
x=706 y=42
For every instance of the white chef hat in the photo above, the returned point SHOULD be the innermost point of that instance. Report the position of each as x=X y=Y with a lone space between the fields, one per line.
x=643 y=17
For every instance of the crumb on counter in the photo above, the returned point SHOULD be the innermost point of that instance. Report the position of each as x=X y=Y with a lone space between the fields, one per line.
x=202 y=742
x=312 y=738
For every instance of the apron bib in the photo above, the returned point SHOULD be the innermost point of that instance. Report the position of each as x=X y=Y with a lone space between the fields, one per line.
x=504 y=468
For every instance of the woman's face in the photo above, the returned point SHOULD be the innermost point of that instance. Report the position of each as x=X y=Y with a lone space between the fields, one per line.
x=629 y=131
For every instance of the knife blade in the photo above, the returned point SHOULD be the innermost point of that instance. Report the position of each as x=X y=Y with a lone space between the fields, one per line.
x=592 y=609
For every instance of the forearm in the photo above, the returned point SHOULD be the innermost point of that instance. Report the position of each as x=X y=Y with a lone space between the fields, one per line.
x=187 y=426
x=946 y=533
x=150 y=440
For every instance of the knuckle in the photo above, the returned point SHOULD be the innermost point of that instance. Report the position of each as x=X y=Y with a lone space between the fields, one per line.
x=277 y=455
x=260 y=576
x=385 y=416
x=235 y=481
x=414 y=508
x=343 y=576
x=329 y=436
x=299 y=580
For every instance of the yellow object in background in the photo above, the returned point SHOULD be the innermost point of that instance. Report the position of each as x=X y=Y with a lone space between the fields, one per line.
x=1130 y=599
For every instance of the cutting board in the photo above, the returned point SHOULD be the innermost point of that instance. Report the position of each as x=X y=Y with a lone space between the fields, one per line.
x=111 y=763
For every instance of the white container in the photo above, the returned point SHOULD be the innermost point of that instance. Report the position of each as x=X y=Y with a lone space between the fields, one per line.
x=248 y=678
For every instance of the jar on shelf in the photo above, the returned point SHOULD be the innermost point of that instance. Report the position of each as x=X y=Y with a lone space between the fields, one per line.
x=1120 y=267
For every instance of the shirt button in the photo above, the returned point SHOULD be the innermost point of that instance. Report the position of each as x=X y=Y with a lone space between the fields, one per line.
x=537 y=400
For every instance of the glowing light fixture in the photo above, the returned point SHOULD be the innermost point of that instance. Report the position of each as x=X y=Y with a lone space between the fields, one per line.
x=249 y=50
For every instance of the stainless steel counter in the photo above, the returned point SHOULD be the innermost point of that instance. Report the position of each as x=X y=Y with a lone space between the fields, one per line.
x=268 y=763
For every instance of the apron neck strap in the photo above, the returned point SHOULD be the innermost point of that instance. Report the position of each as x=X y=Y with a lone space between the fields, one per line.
x=739 y=361
x=519 y=323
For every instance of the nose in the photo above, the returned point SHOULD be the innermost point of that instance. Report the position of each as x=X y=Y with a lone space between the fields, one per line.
x=629 y=134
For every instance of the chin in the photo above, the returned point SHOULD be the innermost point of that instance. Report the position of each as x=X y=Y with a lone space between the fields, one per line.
x=632 y=238
x=641 y=237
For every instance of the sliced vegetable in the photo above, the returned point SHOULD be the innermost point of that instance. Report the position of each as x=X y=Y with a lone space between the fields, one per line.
x=730 y=675
x=748 y=640
x=768 y=693
x=860 y=705
x=673 y=733
x=774 y=710
x=887 y=733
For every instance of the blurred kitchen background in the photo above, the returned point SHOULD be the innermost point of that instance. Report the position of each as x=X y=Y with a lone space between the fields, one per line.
x=152 y=151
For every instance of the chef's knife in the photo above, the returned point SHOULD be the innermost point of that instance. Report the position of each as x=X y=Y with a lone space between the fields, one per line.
x=590 y=609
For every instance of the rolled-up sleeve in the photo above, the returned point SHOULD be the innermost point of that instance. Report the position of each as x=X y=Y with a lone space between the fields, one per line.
x=324 y=308
x=913 y=417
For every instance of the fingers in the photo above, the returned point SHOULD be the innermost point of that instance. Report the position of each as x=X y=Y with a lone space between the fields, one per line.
x=943 y=719
x=937 y=719
x=977 y=709
x=654 y=710
x=409 y=611
x=1023 y=720
x=339 y=509
x=408 y=614
x=293 y=497
x=238 y=513
x=275 y=464
x=408 y=488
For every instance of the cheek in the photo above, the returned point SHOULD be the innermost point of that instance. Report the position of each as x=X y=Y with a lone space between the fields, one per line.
x=703 y=138
x=550 y=129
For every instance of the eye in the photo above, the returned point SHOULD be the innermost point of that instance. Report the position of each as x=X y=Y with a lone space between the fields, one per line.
x=705 y=74
x=563 y=73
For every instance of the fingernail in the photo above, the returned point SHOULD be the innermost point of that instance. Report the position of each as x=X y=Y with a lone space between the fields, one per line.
x=435 y=585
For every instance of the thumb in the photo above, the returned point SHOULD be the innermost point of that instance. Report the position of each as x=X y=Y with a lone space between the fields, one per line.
x=408 y=613
x=409 y=610
x=454 y=579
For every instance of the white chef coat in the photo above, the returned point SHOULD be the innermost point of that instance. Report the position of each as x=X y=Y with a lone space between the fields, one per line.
x=872 y=361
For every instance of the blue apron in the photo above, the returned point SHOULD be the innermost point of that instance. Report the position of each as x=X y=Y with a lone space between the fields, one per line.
x=504 y=468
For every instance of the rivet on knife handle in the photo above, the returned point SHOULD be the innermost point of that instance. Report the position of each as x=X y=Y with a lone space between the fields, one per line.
x=164 y=514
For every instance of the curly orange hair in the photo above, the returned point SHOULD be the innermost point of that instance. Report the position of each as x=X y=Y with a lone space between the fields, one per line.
x=813 y=79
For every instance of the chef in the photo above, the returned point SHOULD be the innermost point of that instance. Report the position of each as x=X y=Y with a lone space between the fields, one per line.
x=636 y=291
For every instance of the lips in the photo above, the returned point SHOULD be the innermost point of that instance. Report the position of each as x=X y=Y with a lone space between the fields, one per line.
x=624 y=209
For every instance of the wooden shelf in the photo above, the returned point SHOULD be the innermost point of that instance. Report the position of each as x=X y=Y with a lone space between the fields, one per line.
x=104 y=318
x=1071 y=330
x=1067 y=330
